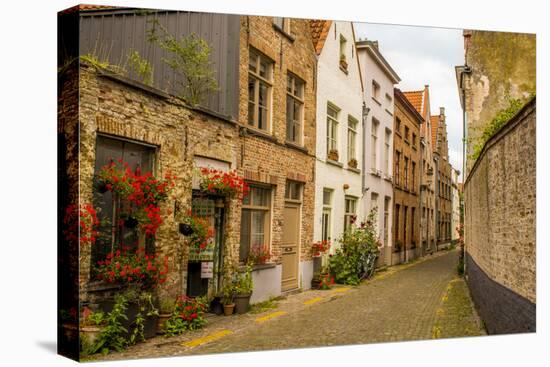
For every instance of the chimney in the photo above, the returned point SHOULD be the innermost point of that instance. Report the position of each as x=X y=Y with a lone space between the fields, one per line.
x=442 y=111
x=375 y=44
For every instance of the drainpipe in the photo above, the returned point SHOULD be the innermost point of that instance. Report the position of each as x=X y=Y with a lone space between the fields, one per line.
x=420 y=194
x=366 y=111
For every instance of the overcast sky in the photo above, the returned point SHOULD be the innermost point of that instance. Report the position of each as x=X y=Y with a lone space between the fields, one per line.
x=425 y=55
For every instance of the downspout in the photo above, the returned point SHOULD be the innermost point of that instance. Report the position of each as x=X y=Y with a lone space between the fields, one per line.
x=366 y=111
x=420 y=194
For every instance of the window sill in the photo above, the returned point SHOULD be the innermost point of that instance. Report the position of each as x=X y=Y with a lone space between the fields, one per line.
x=259 y=133
x=345 y=71
x=354 y=170
x=388 y=111
x=375 y=100
x=296 y=146
x=335 y=163
x=281 y=31
x=258 y=267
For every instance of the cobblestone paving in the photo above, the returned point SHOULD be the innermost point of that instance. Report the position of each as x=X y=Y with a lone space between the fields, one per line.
x=456 y=316
x=402 y=303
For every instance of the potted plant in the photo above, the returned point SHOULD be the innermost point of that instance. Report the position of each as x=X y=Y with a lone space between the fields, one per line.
x=227 y=300
x=218 y=182
x=352 y=163
x=167 y=306
x=91 y=326
x=333 y=155
x=343 y=62
x=243 y=289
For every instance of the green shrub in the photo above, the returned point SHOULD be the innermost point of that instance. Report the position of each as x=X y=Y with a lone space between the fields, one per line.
x=357 y=245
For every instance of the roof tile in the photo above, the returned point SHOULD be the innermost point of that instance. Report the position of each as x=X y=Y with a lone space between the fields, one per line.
x=319 y=33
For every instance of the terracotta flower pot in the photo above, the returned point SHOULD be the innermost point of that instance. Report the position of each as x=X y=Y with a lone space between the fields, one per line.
x=161 y=322
x=90 y=333
x=228 y=309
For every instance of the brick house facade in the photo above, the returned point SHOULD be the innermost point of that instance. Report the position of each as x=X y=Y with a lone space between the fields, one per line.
x=443 y=178
x=276 y=53
x=406 y=179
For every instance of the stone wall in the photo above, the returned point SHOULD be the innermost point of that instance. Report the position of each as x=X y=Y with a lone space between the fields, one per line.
x=500 y=217
x=120 y=107
x=503 y=66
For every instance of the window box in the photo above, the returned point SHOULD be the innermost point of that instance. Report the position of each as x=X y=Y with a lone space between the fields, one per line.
x=344 y=64
x=333 y=155
x=352 y=163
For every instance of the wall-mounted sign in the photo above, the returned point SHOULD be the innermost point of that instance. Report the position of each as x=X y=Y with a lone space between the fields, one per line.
x=207 y=269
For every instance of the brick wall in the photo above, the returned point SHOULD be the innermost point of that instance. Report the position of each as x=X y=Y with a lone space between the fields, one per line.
x=266 y=156
x=500 y=216
x=406 y=195
x=122 y=108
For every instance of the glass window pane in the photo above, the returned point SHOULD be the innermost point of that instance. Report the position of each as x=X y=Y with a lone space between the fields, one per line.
x=327 y=197
x=252 y=62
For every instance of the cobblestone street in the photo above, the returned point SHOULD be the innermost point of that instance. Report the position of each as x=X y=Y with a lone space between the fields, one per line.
x=422 y=300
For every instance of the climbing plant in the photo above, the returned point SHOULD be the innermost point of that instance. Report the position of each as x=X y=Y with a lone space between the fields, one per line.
x=189 y=56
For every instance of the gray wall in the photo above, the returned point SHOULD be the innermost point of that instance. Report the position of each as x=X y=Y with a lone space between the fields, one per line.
x=111 y=34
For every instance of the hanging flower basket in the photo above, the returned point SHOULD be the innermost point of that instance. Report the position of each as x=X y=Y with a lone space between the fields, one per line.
x=217 y=182
x=185 y=229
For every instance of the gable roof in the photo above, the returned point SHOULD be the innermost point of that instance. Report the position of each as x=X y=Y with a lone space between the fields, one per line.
x=319 y=33
x=372 y=49
x=416 y=99
x=435 y=125
x=399 y=96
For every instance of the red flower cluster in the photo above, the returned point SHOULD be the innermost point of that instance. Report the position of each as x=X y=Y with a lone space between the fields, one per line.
x=326 y=281
x=81 y=224
x=225 y=183
x=189 y=309
x=154 y=220
x=259 y=254
x=203 y=232
x=320 y=247
x=139 y=189
x=138 y=267
x=141 y=193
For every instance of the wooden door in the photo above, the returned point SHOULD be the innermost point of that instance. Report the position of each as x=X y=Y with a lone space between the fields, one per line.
x=290 y=246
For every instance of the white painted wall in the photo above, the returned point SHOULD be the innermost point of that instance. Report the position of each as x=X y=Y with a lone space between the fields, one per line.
x=344 y=91
x=381 y=109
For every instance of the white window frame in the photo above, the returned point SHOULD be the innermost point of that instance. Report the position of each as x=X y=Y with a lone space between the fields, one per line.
x=352 y=137
x=260 y=81
x=295 y=93
x=332 y=127
x=374 y=143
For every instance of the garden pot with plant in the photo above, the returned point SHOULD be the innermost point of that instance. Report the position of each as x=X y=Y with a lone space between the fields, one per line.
x=91 y=326
x=166 y=310
x=216 y=305
x=228 y=299
x=243 y=290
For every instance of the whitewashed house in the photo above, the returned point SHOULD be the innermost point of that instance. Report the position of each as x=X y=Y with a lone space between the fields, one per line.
x=338 y=169
x=379 y=80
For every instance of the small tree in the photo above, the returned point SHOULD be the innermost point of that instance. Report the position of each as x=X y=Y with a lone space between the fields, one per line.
x=189 y=57
x=140 y=66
